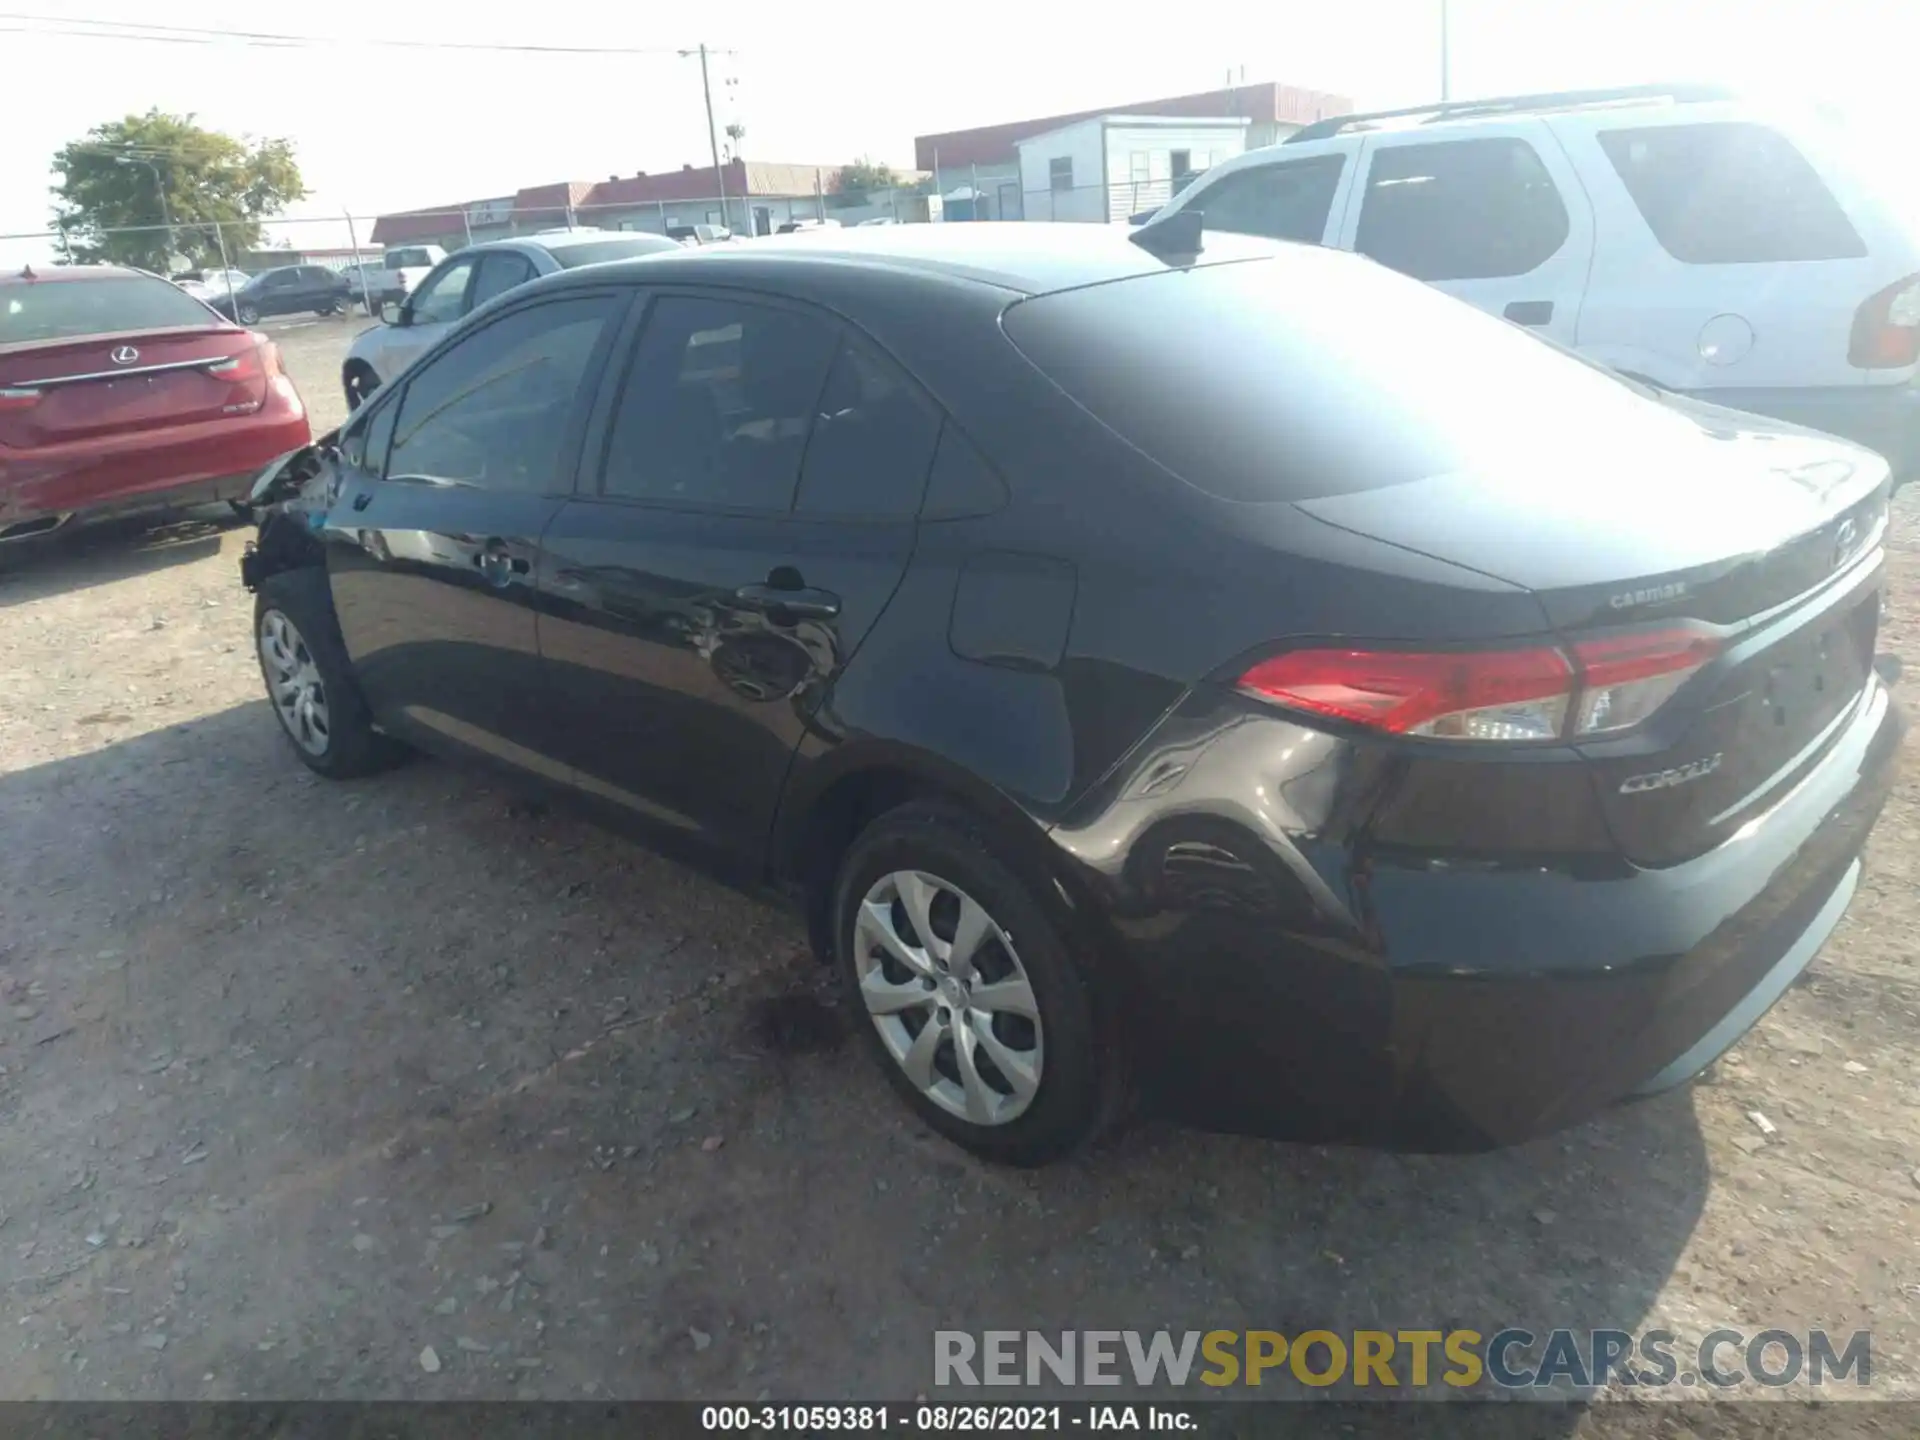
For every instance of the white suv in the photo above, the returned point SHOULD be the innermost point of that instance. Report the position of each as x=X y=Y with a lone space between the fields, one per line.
x=1682 y=236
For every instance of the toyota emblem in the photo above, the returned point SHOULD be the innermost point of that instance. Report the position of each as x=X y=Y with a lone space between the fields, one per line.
x=1843 y=542
x=125 y=355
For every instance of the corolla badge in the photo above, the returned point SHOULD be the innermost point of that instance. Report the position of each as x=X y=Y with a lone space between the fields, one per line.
x=125 y=355
x=1667 y=779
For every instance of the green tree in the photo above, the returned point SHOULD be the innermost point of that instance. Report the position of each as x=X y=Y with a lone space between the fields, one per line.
x=116 y=175
x=862 y=177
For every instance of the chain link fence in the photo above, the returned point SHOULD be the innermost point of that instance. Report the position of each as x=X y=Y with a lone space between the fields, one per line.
x=341 y=241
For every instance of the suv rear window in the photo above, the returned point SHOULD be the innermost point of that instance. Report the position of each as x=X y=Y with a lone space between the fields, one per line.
x=1730 y=193
x=1314 y=374
x=65 y=309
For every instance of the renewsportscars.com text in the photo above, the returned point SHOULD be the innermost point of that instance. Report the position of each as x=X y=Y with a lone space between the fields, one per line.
x=1512 y=1359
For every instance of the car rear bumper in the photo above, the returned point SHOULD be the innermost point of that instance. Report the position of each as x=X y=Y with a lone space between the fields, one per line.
x=1425 y=1003
x=1883 y=418
x=152 y=468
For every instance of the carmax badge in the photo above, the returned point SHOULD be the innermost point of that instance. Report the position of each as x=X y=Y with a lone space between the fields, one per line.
x=1667 y=779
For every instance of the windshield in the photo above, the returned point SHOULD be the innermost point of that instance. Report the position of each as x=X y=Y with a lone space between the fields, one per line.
x=1313 y=374
x=602 y=250
x=65 y=309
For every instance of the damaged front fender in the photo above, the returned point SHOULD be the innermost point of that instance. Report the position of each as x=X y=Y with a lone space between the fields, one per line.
x=289 y=502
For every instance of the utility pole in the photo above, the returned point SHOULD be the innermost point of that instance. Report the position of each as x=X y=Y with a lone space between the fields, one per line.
x=160 y=189
x=713 y=135
x=1445 y=88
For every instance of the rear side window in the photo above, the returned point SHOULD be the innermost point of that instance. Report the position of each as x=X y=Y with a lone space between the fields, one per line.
x=1286 y=201
x=1313 y=374
x=1730 y=193
x=1461 y=209
x=718 y=403
x=58 y=309
x=872 y=440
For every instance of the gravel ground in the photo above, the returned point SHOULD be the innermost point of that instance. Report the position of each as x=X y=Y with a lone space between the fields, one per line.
x=411 y=1088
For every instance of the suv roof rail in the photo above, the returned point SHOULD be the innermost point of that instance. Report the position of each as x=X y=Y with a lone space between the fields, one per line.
x=1506 y=104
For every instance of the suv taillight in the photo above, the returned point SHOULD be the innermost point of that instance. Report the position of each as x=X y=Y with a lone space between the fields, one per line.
x=1591 y=689
x=1886 y=328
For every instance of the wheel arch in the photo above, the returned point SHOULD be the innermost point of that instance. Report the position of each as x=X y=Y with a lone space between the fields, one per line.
x=836 y=796
x=284 y=544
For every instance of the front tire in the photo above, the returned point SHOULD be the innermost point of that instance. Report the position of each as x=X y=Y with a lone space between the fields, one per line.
x=249 y=315
x=327 y=309
x=359 y=382
x=976 y=1007
x=309 y=680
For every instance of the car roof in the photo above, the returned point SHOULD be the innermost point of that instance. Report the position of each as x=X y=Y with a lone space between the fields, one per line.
x=1025 y=258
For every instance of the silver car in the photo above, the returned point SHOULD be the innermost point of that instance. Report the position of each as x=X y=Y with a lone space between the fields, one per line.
x=466 y=280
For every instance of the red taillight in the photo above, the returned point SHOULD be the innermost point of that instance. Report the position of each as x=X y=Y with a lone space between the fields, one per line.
x=19 y=398
x=1542 y=693
x=259 y=360
x=1469 y=695
x=1625 y=678
x=1886 y=328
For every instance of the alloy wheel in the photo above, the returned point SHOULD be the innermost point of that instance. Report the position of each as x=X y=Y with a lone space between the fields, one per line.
x=945 y=988
x=293 y=681
x=249 y=314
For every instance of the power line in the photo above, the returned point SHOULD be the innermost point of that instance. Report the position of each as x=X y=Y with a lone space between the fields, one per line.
x=193 y=35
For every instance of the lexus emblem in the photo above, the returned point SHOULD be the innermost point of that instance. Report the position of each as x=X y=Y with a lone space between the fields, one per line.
x=125 y=355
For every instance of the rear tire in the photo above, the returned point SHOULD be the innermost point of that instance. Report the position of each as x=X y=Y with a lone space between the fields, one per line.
x=1004 y=1050
x=310 y=681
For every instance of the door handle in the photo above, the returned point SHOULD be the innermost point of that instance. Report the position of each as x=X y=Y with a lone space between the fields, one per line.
x=1530 y=312
x=800 y=601
x=497 y=565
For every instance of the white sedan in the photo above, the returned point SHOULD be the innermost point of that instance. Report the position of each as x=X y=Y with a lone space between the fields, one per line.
x=466 y=280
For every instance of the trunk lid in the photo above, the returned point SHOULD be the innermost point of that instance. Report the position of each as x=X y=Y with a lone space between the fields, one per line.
x=60 y=391
x=1768 y=535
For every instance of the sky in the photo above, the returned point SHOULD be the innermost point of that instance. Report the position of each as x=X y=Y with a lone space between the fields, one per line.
x=382 y=129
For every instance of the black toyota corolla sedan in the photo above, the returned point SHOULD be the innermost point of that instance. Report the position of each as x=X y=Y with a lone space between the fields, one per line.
x=1243 y=679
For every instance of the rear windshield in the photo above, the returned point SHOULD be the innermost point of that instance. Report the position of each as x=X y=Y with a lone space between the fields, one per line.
x=61 y=309
x=1731 y=193
x=1314 y=374
x=596 y=251
x=400 y=259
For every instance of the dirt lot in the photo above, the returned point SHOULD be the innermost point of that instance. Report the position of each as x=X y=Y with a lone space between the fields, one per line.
x=299 y=1082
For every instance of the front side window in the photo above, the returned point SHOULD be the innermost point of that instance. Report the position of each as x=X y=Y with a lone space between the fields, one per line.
x=1731 y=193
x=442 y=296
x=1290 y=200
x=1461 y=210
x=499 y=272
x=718 y=403
x=492 y=410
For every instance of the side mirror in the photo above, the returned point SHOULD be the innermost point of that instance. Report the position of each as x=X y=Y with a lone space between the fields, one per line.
x=394 y=312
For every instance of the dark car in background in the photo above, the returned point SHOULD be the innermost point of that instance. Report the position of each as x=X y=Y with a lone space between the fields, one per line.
x=287 y=290
x=119 y=391
x=1247 y=678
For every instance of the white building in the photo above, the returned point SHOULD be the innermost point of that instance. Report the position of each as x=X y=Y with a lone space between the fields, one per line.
x=1108 y=167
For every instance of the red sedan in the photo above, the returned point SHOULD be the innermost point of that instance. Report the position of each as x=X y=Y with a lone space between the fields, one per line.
x=119 y=392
